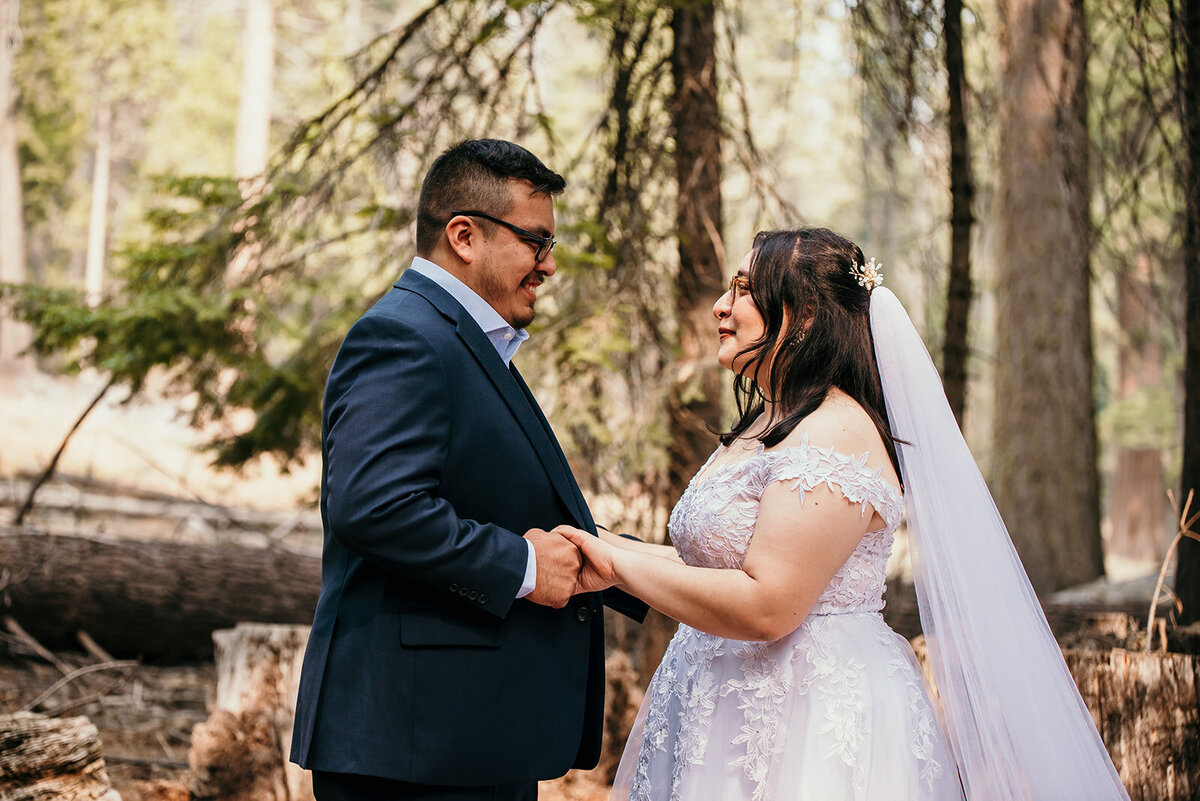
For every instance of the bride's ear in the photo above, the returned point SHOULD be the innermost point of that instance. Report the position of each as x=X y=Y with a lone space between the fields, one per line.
x=810 y=314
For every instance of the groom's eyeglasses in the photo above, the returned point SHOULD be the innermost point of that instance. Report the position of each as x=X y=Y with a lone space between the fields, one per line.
x=544 y=244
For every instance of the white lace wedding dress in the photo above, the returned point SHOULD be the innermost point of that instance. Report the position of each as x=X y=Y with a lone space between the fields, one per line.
x=835 y=710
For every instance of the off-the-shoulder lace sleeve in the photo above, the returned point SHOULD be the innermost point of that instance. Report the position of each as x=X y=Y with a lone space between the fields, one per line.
x=808 y=466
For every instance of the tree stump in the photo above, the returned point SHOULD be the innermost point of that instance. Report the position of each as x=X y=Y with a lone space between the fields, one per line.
x=241 y=752
x=59 y=758
x=1147 y=708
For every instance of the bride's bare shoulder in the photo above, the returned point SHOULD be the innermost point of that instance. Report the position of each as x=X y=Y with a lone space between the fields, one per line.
x=839 y=423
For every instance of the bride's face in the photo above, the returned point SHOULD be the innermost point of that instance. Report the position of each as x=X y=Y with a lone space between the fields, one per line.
x=739 y=323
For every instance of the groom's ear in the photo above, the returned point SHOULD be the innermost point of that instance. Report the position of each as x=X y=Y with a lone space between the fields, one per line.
x=464 y=238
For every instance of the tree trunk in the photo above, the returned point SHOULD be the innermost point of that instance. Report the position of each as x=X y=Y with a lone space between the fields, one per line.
x=14 y=337
x=254 y=104
x=155 y=599
x=1138 y=513
x=241 y=752
x=1045 y=475
x=59 y=758
x=1187 y=572
x=1146 y=708
x=254 y=122
x=97 y=248
x=695 y=403
x=962 y=192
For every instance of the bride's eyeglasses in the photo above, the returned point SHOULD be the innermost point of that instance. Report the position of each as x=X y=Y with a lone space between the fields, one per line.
x=739 y=283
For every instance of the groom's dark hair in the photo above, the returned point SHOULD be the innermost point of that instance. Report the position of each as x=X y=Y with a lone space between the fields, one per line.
x=474 y=176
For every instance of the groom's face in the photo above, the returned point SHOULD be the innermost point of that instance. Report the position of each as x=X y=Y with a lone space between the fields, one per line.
x=508 y=276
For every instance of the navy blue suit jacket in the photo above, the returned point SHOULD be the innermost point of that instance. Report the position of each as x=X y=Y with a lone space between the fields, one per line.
x=421 y=666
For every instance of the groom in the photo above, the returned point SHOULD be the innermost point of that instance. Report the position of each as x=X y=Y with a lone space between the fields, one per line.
x=448 y=659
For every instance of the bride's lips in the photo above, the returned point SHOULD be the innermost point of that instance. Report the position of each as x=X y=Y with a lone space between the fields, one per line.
x=724 y=332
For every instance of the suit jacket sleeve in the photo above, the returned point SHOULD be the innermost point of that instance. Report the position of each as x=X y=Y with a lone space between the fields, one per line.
x=387 y=428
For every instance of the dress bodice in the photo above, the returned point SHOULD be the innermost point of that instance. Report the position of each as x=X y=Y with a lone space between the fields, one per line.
x=836 y=710
x=713 y=522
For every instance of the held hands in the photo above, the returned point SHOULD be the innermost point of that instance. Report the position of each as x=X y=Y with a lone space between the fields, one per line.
x=569 y=561
x=599 y=570
x=558 y=566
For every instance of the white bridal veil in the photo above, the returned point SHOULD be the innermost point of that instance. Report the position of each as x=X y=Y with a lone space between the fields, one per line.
x=1017 y=726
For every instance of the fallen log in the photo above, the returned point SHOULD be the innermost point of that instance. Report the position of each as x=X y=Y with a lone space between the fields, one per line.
x=43 y=757
x=149 y=599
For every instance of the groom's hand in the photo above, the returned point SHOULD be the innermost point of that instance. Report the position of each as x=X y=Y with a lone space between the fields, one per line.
x=599 y=571
x=558 y=564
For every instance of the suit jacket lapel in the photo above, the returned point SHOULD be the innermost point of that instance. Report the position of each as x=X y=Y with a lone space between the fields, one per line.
x=580 y=505
x=511 y=388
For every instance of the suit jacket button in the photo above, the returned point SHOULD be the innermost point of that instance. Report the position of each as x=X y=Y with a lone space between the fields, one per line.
x=463 y=591
x=483 y=599
x=583 y=614
x=474 y=596
x=453 y=587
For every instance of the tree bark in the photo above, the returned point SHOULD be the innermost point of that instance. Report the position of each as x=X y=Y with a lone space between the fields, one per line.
x=14 y=336
x=962 y=192
x=1146 y=709
x=1138 y=511
x=1187 y=572
x=695 y=403
x=241 y=752
x=43 y=757
x=160 y=600
x=1045 y=475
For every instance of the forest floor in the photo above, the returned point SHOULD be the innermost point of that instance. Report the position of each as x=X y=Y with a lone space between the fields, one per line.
x=145 y=449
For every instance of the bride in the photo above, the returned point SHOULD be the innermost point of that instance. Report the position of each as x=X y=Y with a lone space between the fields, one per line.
x=783 y=681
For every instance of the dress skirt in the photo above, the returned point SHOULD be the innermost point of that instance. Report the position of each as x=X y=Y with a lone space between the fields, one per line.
x=836 y=710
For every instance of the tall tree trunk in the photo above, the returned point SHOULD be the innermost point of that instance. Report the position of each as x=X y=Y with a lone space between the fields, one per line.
x=254 y=104
x=97 y=248
x=254 y=118
x=695 y=404
x=1187 y=573
x=14 y=336
x=1138 y=511
x=1045 y=474
x=962 y=192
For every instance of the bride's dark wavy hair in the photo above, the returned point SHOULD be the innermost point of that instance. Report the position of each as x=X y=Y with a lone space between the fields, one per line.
x=796 y=276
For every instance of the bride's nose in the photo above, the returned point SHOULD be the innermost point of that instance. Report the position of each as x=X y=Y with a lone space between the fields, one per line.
x=723 y=306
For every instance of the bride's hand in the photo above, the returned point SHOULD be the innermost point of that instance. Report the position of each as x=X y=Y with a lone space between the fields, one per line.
x=598 y=571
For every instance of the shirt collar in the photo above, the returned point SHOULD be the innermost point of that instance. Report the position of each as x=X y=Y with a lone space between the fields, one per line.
x=503 y=336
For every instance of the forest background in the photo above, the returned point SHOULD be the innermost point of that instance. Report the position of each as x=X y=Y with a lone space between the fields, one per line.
x=198 y=198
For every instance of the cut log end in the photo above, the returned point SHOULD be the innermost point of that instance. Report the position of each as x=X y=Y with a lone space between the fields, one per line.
x=58 y=758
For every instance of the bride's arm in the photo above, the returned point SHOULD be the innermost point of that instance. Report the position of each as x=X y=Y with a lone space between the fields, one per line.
x=616 y=540
x=796 y=550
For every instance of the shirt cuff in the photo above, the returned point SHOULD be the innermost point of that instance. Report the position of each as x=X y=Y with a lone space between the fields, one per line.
x=530 y=582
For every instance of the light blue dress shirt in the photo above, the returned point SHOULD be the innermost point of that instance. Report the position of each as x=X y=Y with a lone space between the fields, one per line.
x=504 y=338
